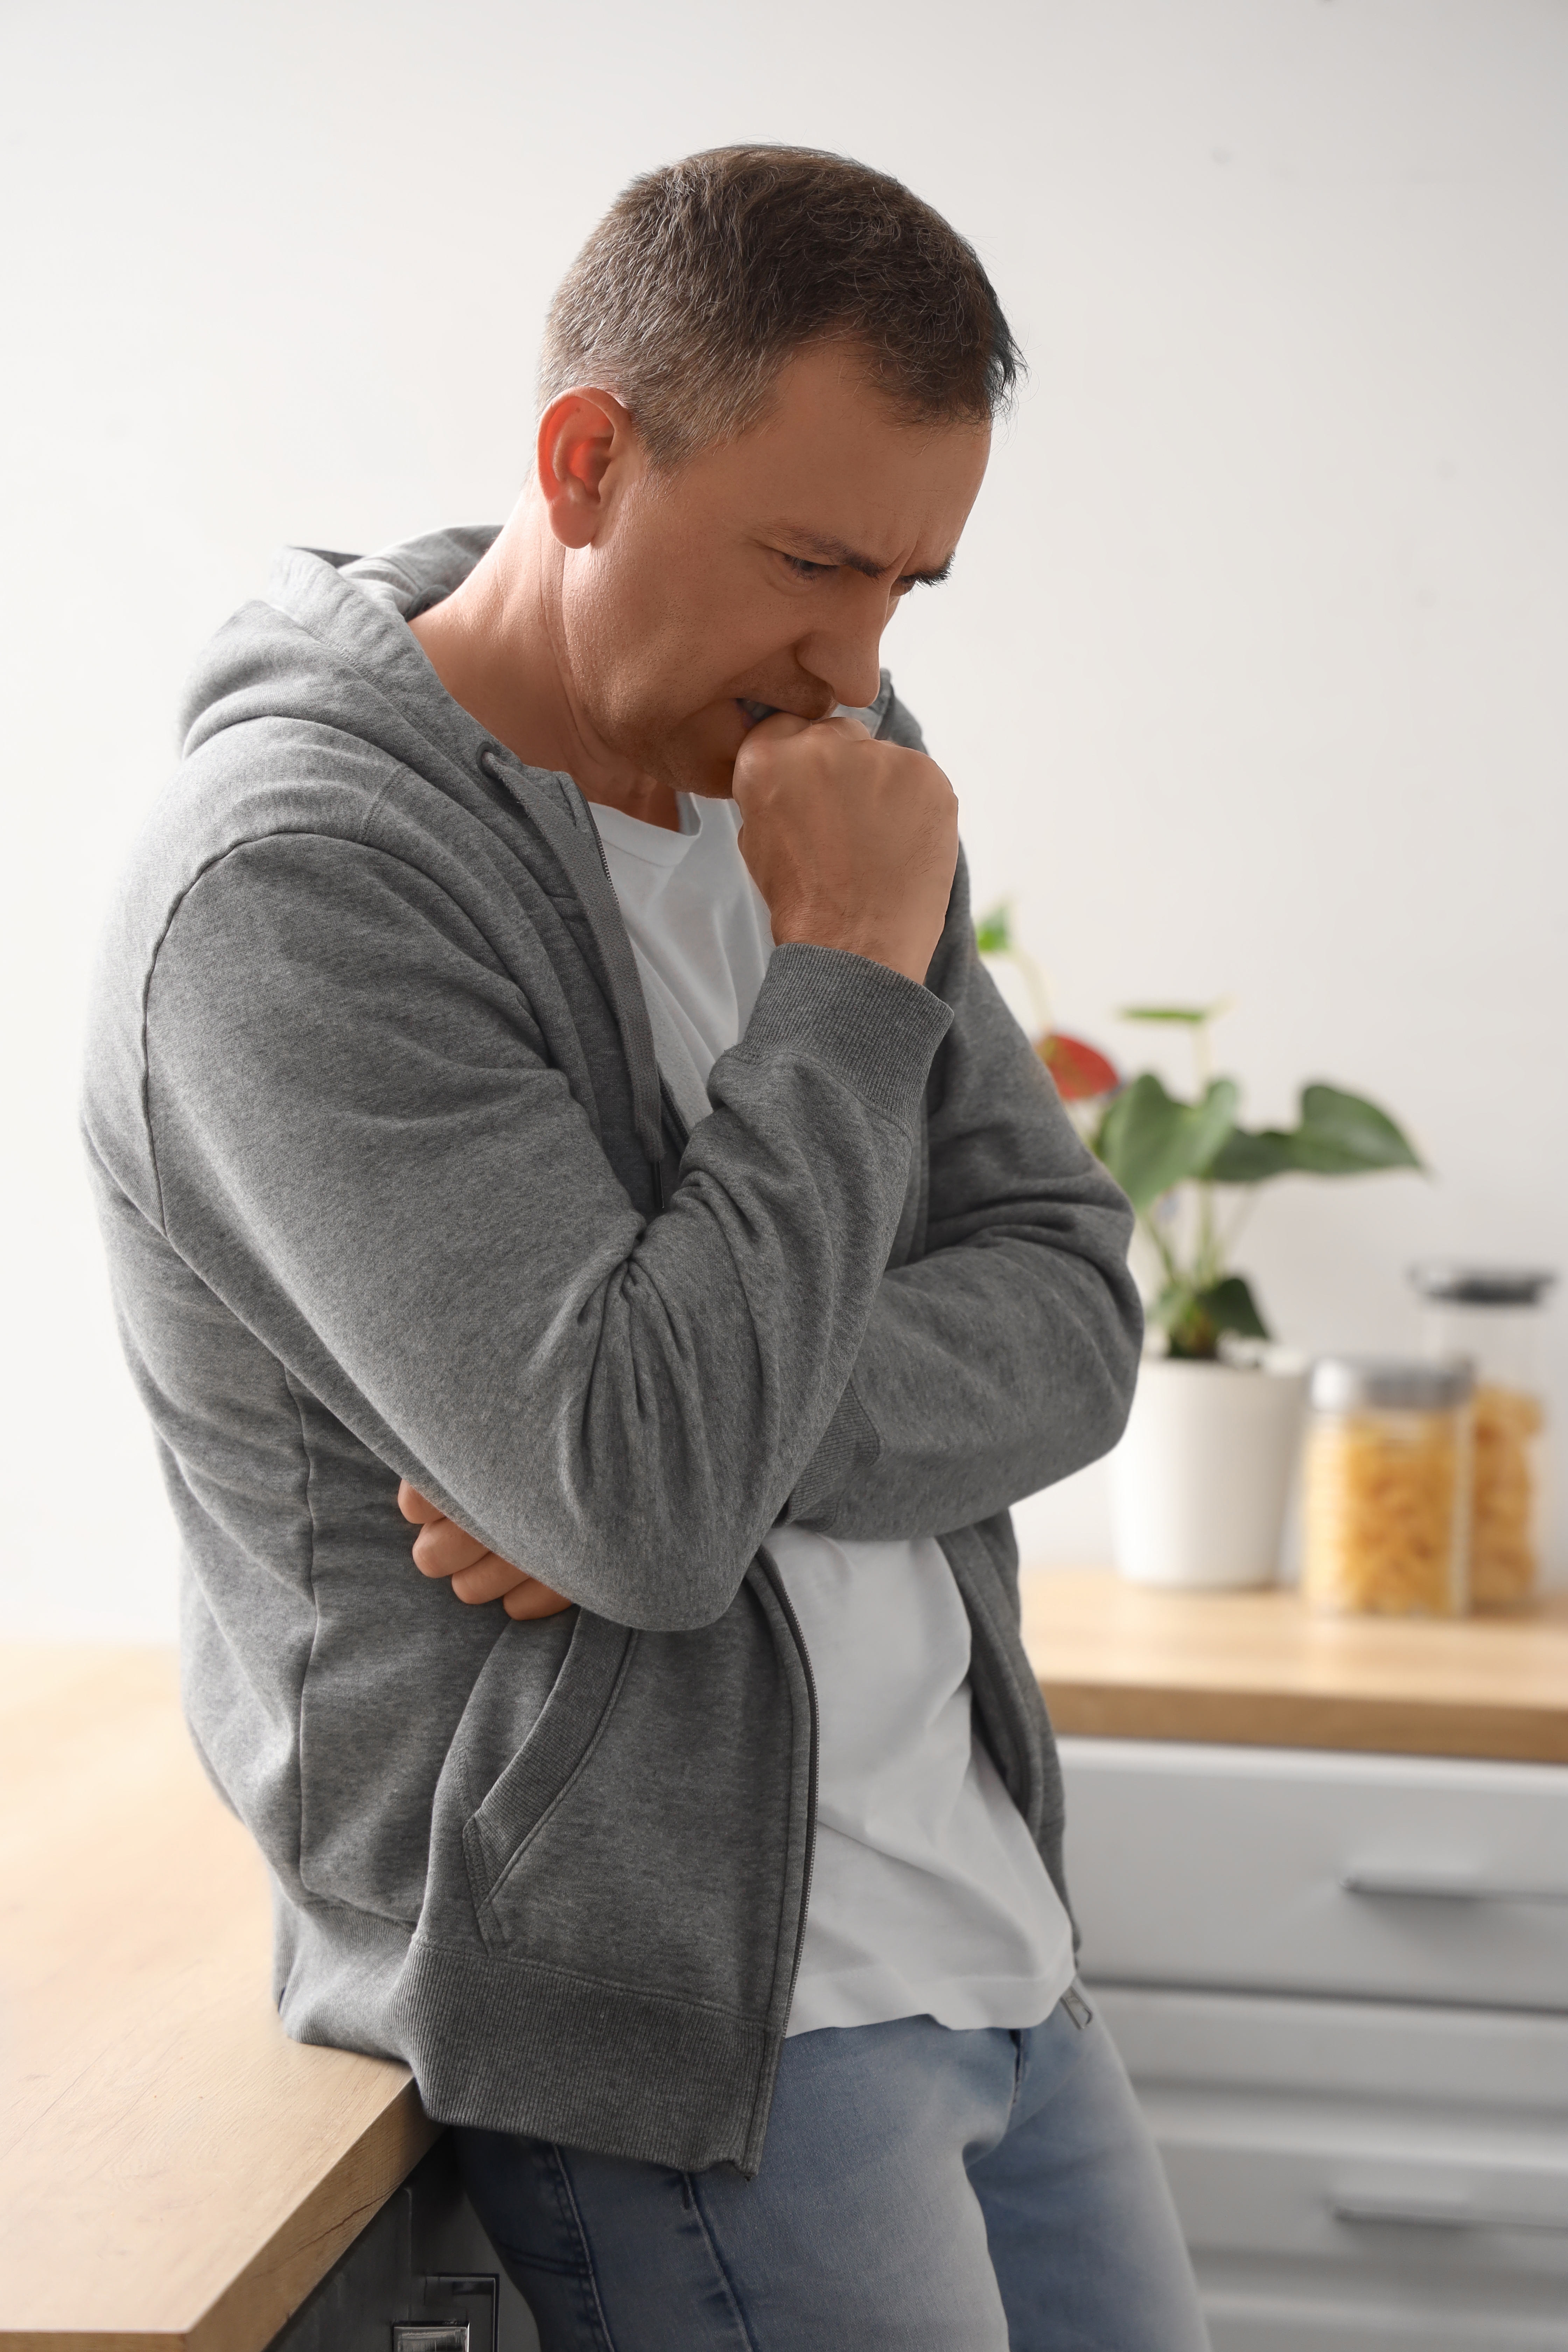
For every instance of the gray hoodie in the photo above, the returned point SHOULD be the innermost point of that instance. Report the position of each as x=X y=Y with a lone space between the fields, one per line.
x=390 y=1188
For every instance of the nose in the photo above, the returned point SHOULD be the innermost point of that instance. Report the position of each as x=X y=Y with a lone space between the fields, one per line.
x=844 y=649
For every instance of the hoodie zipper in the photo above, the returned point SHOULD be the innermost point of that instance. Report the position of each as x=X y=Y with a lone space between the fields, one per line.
x=636 y=1037
x=561 y=824
x=667 y=1109
x=771 y=1570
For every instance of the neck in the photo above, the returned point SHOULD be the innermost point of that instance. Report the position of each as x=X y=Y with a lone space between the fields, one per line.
x=498 y=646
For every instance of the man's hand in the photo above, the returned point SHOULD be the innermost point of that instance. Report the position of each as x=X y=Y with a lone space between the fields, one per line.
x=852 y=843
x=442 y=1548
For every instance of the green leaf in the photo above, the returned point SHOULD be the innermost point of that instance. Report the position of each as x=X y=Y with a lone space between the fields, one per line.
x=1251 y=1159
x=1342 y=1135
x=993 y=932
x=1230 y=1306
x=1339 y=1135
x=1149 y=1141
x=1191 y=1015
x=1193 y=1320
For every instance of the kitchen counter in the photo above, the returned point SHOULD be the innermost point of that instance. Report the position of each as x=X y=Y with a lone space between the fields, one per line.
x=1125 y=1661
x=174 y=2171
x=177 y=2174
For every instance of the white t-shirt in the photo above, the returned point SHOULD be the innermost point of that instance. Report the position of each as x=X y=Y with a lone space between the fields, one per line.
x=929 y=1896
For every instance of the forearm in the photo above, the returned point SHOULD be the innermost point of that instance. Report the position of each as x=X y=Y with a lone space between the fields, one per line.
x=985 y=1374
x=1004 y=1356
x=676 y=1408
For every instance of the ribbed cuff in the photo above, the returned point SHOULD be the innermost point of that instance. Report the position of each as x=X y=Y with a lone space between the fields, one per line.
x=877 y=1030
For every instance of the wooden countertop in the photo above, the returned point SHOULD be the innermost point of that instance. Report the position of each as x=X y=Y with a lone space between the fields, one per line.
x=1128 y=1662
x=174 y=2171
x=176 y=2174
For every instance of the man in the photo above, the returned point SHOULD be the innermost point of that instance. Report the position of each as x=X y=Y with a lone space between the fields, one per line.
x=541 y=1069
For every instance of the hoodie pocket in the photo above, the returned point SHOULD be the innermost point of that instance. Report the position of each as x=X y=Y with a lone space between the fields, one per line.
x=557 y=1747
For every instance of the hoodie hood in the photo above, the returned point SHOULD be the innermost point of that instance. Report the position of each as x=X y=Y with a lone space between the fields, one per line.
x=330 y=650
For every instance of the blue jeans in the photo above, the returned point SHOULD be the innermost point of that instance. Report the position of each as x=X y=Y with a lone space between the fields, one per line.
x=921 y=2189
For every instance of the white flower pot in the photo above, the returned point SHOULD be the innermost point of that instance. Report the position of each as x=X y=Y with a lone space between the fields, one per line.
x=1201 y=1480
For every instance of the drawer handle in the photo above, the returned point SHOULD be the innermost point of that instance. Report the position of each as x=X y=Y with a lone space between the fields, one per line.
x=1440 y=2214
x=1423 y=1886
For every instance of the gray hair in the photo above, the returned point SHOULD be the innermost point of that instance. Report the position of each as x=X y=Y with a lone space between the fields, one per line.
x=703 y=279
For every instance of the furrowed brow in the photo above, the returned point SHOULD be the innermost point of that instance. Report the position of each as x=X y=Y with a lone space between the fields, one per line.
x=818 y=550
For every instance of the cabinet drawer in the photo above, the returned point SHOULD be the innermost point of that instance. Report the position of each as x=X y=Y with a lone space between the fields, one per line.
x=1504 y=2061
x=1430 y=2199
x=1353 y=2176
x=1401 y=1877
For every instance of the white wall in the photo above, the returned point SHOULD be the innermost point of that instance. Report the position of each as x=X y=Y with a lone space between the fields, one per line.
x=1252 y=675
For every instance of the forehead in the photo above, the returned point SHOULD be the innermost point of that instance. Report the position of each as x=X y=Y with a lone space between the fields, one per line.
x=830 y=458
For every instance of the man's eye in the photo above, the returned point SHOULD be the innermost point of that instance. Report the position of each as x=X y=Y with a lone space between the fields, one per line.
x=804 y=570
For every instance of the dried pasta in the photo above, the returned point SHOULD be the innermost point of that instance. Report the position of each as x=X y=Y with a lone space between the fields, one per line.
x=1504 y=1563
x=1383 y=1496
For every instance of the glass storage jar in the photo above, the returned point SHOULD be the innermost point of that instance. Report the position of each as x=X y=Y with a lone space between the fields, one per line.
x=1386 y=1487
x=1491 y=1315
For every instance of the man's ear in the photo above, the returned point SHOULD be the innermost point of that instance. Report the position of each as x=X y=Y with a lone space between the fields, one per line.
x=587 y=439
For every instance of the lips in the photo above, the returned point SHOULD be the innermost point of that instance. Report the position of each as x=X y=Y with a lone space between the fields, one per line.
x=753 y=712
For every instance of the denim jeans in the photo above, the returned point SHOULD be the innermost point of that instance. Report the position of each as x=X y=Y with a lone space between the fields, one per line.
x=921 y=2190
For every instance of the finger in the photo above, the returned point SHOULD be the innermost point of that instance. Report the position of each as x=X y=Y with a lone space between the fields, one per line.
x=444 y=1548
x=532 y=1599
x=487 y=1579
x=415 y=1506
x=842 y=724
x=778 y=728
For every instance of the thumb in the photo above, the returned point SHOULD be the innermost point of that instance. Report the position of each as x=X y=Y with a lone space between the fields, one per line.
x=768 y=733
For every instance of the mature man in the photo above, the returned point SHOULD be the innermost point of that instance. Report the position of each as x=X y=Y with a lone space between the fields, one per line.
x=540 y=1057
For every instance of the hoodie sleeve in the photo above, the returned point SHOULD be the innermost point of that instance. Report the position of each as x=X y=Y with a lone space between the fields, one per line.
x=362 y=1148
x=1004 y=1357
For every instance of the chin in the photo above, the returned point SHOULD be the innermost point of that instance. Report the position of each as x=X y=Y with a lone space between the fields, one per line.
x=714 y=783
x=700 y=757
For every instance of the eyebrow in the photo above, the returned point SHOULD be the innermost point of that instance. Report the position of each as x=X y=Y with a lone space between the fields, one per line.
x=818 y=550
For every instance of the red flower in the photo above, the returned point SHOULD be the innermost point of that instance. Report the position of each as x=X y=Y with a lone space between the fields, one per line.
x=1080 y=1072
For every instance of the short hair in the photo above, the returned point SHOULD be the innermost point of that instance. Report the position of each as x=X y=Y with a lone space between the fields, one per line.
x=703 y=279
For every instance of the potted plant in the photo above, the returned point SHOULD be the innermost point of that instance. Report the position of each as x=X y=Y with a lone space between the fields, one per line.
x=1202 y=1477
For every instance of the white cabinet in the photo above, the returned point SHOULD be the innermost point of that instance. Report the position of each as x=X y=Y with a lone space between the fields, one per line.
x=1409 y=1878
x=1333 y=1979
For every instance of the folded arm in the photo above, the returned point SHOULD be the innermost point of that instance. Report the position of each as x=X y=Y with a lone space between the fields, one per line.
x=359 y=1130
x=1003 y=1358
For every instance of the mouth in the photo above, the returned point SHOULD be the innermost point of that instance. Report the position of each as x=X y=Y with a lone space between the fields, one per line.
x=754 y=713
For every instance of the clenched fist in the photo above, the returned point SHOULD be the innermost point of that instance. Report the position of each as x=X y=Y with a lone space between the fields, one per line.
x=852 y=843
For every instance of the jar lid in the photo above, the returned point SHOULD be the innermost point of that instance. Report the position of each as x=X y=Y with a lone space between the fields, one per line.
x=1482 y=1285
x=1348 y=1384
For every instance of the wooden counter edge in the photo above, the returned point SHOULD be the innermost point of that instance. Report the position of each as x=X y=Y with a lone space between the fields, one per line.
x=296 y=2257
x=1260 y=1717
